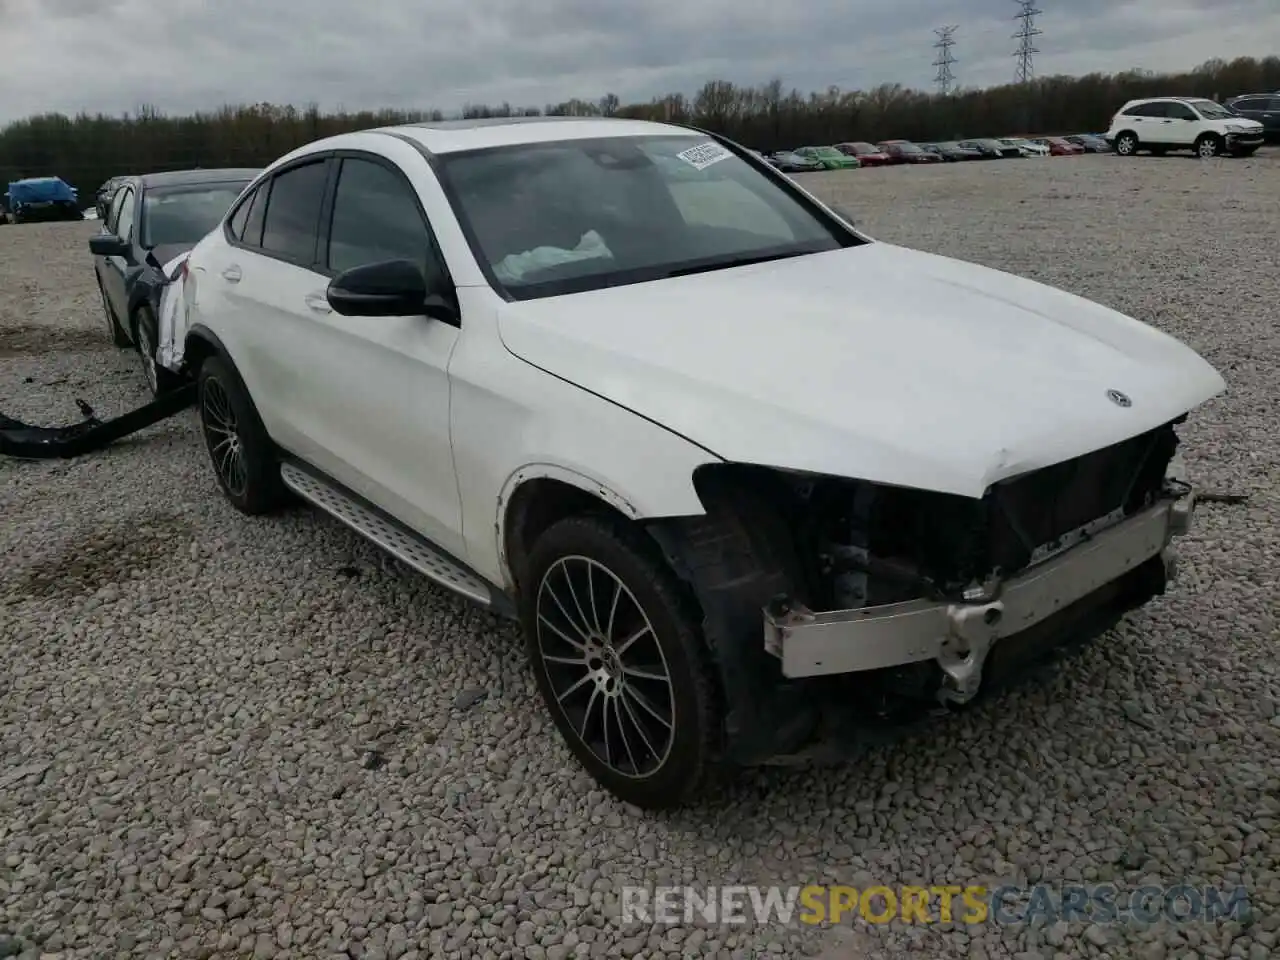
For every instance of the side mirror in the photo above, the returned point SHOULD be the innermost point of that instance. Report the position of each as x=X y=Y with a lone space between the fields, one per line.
x=108 y=245
x=388 y=288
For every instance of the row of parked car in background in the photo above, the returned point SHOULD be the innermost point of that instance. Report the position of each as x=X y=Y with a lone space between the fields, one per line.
x=1154 y=124
x=844 y=156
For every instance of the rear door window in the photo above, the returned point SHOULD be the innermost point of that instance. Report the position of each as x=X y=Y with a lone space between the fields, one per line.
x=238 y=219
x=257 y=205
x=292 y=220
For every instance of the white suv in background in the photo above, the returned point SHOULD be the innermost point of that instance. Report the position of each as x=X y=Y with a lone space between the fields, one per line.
x=1160 y=124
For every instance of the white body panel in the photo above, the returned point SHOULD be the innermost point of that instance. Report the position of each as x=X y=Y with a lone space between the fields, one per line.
x=874 y=362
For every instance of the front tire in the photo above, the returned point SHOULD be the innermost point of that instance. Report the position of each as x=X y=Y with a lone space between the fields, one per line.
x=1127 y=144
x=243 y=456
x=619 y=659
x=1208 y=146
x=146 y=339
x=118 y=337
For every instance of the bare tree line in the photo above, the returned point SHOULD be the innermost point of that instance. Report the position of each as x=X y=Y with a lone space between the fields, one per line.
x=85 y=150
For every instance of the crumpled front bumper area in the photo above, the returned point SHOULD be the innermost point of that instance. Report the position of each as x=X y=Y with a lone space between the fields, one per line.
x=960 y=636
x=27 y=442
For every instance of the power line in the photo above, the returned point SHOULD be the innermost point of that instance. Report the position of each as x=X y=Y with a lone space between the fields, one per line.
x=1025 y=36
x=946 y=40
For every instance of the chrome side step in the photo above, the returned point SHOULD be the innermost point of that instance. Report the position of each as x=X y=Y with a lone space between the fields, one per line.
x=403 y=544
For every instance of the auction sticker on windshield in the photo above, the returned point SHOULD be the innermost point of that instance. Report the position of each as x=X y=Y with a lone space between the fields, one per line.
x=704 y=155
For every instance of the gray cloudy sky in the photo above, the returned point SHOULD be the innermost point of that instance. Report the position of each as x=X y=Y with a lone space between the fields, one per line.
x=179 y=55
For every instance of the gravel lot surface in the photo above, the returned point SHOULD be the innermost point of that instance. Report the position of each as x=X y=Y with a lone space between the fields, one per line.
x=234 y=738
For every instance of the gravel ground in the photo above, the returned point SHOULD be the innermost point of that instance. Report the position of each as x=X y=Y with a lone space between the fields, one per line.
x=234 y=738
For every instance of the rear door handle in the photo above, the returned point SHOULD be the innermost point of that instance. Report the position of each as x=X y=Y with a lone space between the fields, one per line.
x=318 y=302
x=232 y=274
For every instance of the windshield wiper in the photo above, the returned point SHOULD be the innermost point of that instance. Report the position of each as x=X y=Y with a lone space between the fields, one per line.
x=744 y=261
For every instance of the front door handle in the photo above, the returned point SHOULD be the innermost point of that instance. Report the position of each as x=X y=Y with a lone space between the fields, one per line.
x=232 y=274
x=318 y=302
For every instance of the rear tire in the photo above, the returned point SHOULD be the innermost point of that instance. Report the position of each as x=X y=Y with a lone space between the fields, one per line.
x=243 y=456
x=618 y=656
x=1127 y=144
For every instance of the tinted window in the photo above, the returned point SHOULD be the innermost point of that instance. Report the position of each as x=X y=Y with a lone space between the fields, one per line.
x=257 y=213
x=293 y=212
x=240 y=216
x=124 y=216
x=1146 y=110
x=375 y=217
x=1180 y=111
x=183 y=215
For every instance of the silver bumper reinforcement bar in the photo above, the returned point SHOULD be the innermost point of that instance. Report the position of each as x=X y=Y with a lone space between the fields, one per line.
x=959 y=635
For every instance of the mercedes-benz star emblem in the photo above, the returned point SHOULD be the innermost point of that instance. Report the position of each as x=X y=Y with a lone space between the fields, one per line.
x=1119 y=399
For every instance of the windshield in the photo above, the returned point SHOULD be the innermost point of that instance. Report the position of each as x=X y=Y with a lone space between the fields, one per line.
x=908 y=148
x=552 y=218
x=1212 y=111
x=827 y=152
x=863 y=149
x=183 y=215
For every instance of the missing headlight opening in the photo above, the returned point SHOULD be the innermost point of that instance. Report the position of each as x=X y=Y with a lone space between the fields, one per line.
x=858 y=544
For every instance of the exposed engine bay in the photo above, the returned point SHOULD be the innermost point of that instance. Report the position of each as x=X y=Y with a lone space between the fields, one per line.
x=859 y=544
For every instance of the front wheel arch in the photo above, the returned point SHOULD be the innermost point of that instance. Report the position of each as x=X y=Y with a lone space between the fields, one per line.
x=536 y=498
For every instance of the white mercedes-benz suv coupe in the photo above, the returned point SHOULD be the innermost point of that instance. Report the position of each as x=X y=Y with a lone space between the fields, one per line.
x=749 y=480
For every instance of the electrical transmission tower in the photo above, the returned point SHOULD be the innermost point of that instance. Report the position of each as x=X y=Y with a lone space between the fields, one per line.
x=1025 y=36
x=946 y=40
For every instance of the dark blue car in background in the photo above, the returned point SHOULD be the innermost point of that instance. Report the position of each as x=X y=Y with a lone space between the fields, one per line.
x=40 y=198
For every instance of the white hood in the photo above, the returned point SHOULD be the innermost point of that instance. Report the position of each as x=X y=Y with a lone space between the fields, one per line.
x=876 y=362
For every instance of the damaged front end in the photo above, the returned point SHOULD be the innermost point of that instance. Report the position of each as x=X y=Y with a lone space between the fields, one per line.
x=27 y=442
x=892 y=596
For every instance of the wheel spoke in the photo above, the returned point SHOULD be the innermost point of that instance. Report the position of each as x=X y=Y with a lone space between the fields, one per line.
x=604 y=728
x=580 y=631
x=639 y=727
x=613 y=607
x=586 y=714
x=576 y=685
x=591 y=596
x=643 y=701
x=568 y=578
x=644 y=674
x=623 y=647
x=565 y=661
x=620 y=723
x=576 y=644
